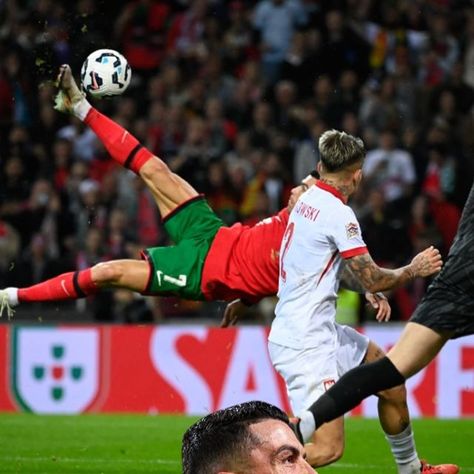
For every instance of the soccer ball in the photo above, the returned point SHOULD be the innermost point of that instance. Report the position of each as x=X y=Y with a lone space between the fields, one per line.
x=105 y=73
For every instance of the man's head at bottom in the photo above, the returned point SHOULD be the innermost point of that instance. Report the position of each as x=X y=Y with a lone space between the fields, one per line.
x=249 y=438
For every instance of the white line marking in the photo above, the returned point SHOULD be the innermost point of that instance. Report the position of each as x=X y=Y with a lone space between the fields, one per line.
x=87 y=460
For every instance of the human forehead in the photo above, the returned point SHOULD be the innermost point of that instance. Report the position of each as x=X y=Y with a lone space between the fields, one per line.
x=273 y=434
x=276 y=450
x=304 y=185
x=309 y=181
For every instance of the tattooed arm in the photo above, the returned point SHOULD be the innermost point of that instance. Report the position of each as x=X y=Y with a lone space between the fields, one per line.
x=378 y=300
x=374 y=278
x=349 y=281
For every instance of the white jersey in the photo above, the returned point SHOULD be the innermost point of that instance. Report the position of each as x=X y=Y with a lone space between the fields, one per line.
x=322 y=230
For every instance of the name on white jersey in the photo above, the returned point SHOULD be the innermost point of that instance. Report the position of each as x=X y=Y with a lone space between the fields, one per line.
x=306 y=211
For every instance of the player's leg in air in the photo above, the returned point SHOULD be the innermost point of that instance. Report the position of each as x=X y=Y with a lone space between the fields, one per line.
x=177 y=271
x=169 y=189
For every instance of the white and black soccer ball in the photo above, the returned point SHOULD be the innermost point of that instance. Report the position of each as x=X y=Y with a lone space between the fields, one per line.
x=105 y=73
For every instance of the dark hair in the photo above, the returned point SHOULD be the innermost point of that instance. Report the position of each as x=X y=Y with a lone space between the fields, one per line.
x=222 y=439
x=339 y=150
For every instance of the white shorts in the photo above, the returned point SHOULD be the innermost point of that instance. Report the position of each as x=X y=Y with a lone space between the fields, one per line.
x=309 y=372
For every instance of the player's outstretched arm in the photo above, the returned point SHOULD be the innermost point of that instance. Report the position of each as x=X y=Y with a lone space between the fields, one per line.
x=375 y=278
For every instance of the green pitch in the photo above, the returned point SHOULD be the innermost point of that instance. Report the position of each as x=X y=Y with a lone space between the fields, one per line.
x=94 y=444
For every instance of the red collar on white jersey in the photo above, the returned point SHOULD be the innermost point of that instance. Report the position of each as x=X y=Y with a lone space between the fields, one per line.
x=331 y=189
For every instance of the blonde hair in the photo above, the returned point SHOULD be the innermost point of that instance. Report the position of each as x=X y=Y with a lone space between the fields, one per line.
x=338 y=150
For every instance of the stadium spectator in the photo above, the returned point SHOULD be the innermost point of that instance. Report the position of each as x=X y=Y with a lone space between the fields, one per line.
x=15 y=193
x=238 y=37
x=343 y=47
x=140 y=28
x=276 y=21
x=381 y=224
x=390 y=169
x=307 y=154
x=303 y=60
x=468 y=48
x=9 y=248
x=378 y=109
x=219 y=83
x=221 y=131
x=186 y=31
x=220 y=193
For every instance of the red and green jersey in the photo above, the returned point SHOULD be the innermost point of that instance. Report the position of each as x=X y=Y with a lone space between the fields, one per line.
x=242 y=261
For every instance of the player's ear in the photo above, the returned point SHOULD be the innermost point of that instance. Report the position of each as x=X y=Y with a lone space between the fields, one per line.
x=319 y=167
x=358 y=176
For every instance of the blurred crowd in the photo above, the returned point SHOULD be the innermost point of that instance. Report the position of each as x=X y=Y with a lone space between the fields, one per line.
x=233 y=96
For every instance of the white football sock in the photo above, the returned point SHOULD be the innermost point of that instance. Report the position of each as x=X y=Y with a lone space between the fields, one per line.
x=404 y=451
x=81 y=109
x=12 y=294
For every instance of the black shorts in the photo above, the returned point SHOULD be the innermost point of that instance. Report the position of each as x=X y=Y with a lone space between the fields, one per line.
x=448 y=305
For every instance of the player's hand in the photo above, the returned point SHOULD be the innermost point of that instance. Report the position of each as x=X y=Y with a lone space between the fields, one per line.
x=232 y=313
x=379 y=302
x=426 y=263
